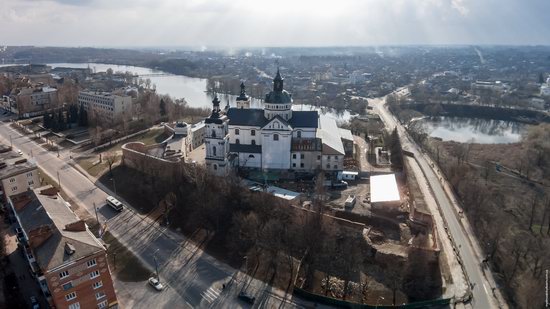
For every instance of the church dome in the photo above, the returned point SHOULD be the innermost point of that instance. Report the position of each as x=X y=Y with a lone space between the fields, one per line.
x=278 y=95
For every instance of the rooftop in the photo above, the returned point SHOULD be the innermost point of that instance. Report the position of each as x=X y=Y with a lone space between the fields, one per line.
x=383 y=188
x=42 y=210
x=11 y=163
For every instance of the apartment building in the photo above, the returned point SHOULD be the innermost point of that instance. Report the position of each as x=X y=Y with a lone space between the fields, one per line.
x=17 y=174
x=31 y=101
x=106 y=106
x=67 y=260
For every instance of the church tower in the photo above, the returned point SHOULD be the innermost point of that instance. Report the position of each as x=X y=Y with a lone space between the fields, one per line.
x=217 y=140
x=243 y=100
x=278 y=102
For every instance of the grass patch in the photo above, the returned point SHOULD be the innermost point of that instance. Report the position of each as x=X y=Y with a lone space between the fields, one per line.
x=88 y=164
x=126 y=266
x=150 y=137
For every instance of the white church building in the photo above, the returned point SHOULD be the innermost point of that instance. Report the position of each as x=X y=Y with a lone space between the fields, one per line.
x=273 y=138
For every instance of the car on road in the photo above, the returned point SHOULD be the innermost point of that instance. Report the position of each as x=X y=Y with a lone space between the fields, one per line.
x=114 y=203
x=20 y=152
x=246 y=298
x=155 y=283
x=34 y=303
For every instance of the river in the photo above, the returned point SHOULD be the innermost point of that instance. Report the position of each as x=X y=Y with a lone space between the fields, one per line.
x=192 y=89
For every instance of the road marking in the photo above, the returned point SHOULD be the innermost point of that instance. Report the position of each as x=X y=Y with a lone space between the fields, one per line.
x=211 y=294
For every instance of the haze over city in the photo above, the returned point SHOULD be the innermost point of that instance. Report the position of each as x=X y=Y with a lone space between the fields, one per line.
x=141 y=23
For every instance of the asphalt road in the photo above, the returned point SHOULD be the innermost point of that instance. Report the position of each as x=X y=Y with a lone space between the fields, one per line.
x=482 y=292
x=193 y=278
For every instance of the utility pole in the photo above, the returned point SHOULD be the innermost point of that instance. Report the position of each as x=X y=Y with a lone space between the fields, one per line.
x=156 y=264
x=58 y=180
x=96 y=216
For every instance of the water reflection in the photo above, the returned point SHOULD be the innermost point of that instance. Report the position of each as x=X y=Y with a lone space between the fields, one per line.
x=483 y=131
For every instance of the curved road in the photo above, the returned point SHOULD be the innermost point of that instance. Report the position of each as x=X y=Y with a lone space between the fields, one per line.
x=483 y=293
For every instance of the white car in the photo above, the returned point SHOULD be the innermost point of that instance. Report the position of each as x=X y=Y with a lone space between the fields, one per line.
x=156 y=284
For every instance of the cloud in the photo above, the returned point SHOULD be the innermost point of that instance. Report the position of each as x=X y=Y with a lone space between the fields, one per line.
x=273 y=22
x=460 y=6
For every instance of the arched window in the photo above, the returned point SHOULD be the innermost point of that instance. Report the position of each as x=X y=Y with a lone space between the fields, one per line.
x=253 y=132
x=236 y=131
x=299 y=134
x=213 y=133
x=237 y=141
x=253 y=142
x=215 y=166
x=214 y=151
x=275 y=137
x=251 y=156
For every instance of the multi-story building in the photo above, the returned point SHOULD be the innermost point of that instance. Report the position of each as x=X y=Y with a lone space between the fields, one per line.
x=196 y=135
x=276 y=137
x=105 y=106
x=31 y=101
x=67 y=260
x=17 y=174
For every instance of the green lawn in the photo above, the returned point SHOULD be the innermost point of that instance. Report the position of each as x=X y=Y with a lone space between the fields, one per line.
x=88 y=164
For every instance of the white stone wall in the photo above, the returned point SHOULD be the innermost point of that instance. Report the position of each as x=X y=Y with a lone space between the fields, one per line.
x=276 y=153
x=245 y=135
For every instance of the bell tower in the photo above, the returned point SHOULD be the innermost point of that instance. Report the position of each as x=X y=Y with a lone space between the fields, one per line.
x=243 y=100
x=217 y=140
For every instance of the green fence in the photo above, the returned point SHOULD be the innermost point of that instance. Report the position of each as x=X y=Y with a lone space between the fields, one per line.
x=344 y=304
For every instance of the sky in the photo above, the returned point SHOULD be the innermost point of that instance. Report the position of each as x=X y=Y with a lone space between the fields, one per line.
x=259 y=23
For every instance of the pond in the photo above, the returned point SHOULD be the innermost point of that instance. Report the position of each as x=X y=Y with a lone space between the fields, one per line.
x=477 y=130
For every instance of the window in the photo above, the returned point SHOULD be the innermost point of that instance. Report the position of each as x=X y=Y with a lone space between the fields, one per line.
x=31 y=182
x=63 y=274
x=328 y=157
x=328 y=165
x=94 y=274
x=302 y=165
x=213 y=133
x=91 y=263
x=293 y=156
x=29 y=174
x=318 y=157
x=275 y=137
x=102 y=304
x=214 y=151
x=74 y=306
x=215 y=166
x=253 y=132
x=253 y=142
x=336 y=158
x=99 y=295
x=68 y=285
x=70 y=296
x=302 y=156
x=97 y=285
x=251 y=156
x=12 y=179
x=299 y=134
x=293 y=164
x=237 y=141
x=335 y=166
x=14 y=188
x=237 y=131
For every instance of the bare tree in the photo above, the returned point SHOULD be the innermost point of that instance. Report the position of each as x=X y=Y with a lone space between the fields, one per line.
x=111 y=158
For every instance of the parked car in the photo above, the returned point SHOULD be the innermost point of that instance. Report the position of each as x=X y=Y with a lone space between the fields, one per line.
x=246 y=298
x=156 y=284
x=350 y=201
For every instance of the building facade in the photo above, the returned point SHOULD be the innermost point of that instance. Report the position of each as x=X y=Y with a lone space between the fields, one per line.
x=31 y=101
x=276 y=137
x=105 y=106
x=67 y=260
x=17 y=174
